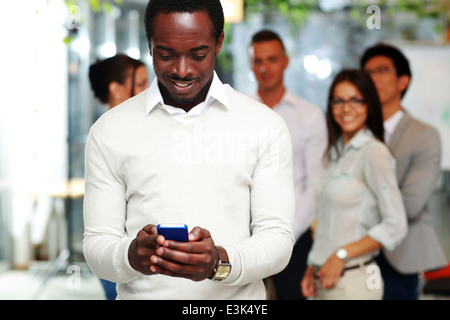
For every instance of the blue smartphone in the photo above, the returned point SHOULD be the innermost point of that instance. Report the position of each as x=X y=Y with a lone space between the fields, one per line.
x=173 y=231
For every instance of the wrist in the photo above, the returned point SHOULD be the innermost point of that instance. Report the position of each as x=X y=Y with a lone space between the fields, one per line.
x=216 y=264
x=342 y=254
x=309 y=272
x=132 y=255
x=222 y=266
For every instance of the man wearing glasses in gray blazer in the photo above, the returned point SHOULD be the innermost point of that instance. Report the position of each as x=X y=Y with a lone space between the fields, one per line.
x=417 y=149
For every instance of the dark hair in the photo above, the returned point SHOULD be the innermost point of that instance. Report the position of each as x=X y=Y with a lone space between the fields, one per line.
x=363 y=82
x=212 y=7
x=266 y=35
x=103 y=72
x=401 y=64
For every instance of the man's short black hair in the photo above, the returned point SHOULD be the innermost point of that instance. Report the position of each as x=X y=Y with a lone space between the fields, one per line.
x=212 y=7
x=266 y=35
x=401 y=63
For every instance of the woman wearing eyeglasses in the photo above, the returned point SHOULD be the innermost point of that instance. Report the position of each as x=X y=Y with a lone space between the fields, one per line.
x=360 y=206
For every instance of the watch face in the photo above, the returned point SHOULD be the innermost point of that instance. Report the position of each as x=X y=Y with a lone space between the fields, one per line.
x=342 y=254
x=222 y=272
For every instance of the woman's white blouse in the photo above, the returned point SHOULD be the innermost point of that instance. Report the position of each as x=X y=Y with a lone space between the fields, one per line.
x=358 y=195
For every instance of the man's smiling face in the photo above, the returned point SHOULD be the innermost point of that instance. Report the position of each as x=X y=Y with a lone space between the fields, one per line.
x=184 y=50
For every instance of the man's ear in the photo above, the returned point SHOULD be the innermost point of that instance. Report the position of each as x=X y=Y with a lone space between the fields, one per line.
x=403 y=82
x=286 y=63
x=149 y=41
x=219 y=43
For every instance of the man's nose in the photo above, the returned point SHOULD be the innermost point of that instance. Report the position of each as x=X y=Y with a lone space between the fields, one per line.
x=263 y=68
x=181 y=67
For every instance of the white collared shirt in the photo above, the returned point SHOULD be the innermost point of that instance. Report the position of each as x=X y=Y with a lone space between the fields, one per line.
x=308 y=129
x=216 y=92
x=390 y=124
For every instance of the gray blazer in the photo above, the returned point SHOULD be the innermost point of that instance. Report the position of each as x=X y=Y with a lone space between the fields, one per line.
x=417 y=149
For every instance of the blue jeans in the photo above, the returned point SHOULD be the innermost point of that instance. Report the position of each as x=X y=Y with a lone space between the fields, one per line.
x=397 y=286
x=109 y=289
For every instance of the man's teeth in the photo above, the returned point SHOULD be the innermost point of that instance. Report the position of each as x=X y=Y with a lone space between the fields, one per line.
x=183 y=85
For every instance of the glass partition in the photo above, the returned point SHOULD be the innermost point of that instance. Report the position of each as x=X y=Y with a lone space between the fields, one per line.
x=5 y=226
x=99 y=36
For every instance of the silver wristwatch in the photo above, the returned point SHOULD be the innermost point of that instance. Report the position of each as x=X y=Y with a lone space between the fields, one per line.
x=342 y=254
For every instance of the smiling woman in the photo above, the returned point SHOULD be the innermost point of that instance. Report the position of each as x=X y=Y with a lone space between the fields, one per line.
x=349 y=109
x=361 y=209
x=352 y=94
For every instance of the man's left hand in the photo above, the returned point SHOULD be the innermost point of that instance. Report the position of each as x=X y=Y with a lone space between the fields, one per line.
x=193 y=260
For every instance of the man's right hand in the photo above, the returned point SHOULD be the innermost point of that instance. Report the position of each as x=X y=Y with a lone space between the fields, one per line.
x=143 y=247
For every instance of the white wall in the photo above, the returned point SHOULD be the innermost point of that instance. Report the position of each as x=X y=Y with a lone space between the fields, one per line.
x=428 y=96
x=33 y=107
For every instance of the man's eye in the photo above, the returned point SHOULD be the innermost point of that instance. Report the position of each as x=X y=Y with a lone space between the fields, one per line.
x=199 y=58
x=164 y=57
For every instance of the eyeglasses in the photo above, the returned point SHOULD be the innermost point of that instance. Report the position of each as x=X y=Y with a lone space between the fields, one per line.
x=354 y=103
x=380 y=70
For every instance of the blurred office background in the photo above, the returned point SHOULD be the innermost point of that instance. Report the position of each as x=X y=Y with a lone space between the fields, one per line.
x=47 y=106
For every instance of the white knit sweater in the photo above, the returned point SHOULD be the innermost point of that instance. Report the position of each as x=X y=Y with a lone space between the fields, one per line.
x=230 y=172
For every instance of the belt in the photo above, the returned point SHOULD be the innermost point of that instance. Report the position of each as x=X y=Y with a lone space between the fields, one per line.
x=356 y=266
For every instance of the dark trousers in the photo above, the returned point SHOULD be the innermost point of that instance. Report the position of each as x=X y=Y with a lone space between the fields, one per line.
x=397 y=286
x=287 y=282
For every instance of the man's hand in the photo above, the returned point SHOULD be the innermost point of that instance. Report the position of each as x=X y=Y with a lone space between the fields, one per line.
x=193 y=260
x=143 y=247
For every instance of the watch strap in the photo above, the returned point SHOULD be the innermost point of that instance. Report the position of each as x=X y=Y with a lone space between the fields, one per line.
x=222 y=262
x=223 y=255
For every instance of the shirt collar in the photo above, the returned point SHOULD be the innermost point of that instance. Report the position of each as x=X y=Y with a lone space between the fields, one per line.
x=359 y=139
x=216 y=92
x=391 y=123
x=288 y=98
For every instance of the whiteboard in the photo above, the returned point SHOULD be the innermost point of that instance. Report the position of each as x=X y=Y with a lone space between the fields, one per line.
x=428 y=96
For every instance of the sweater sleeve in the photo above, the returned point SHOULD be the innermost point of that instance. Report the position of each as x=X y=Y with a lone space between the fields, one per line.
x=105 y=243
x=272 y=206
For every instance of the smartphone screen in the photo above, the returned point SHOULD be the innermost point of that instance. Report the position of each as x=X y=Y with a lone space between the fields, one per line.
x=173 y=231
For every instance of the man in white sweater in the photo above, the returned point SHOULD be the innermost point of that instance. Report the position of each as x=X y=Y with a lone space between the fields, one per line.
x=188 y=150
